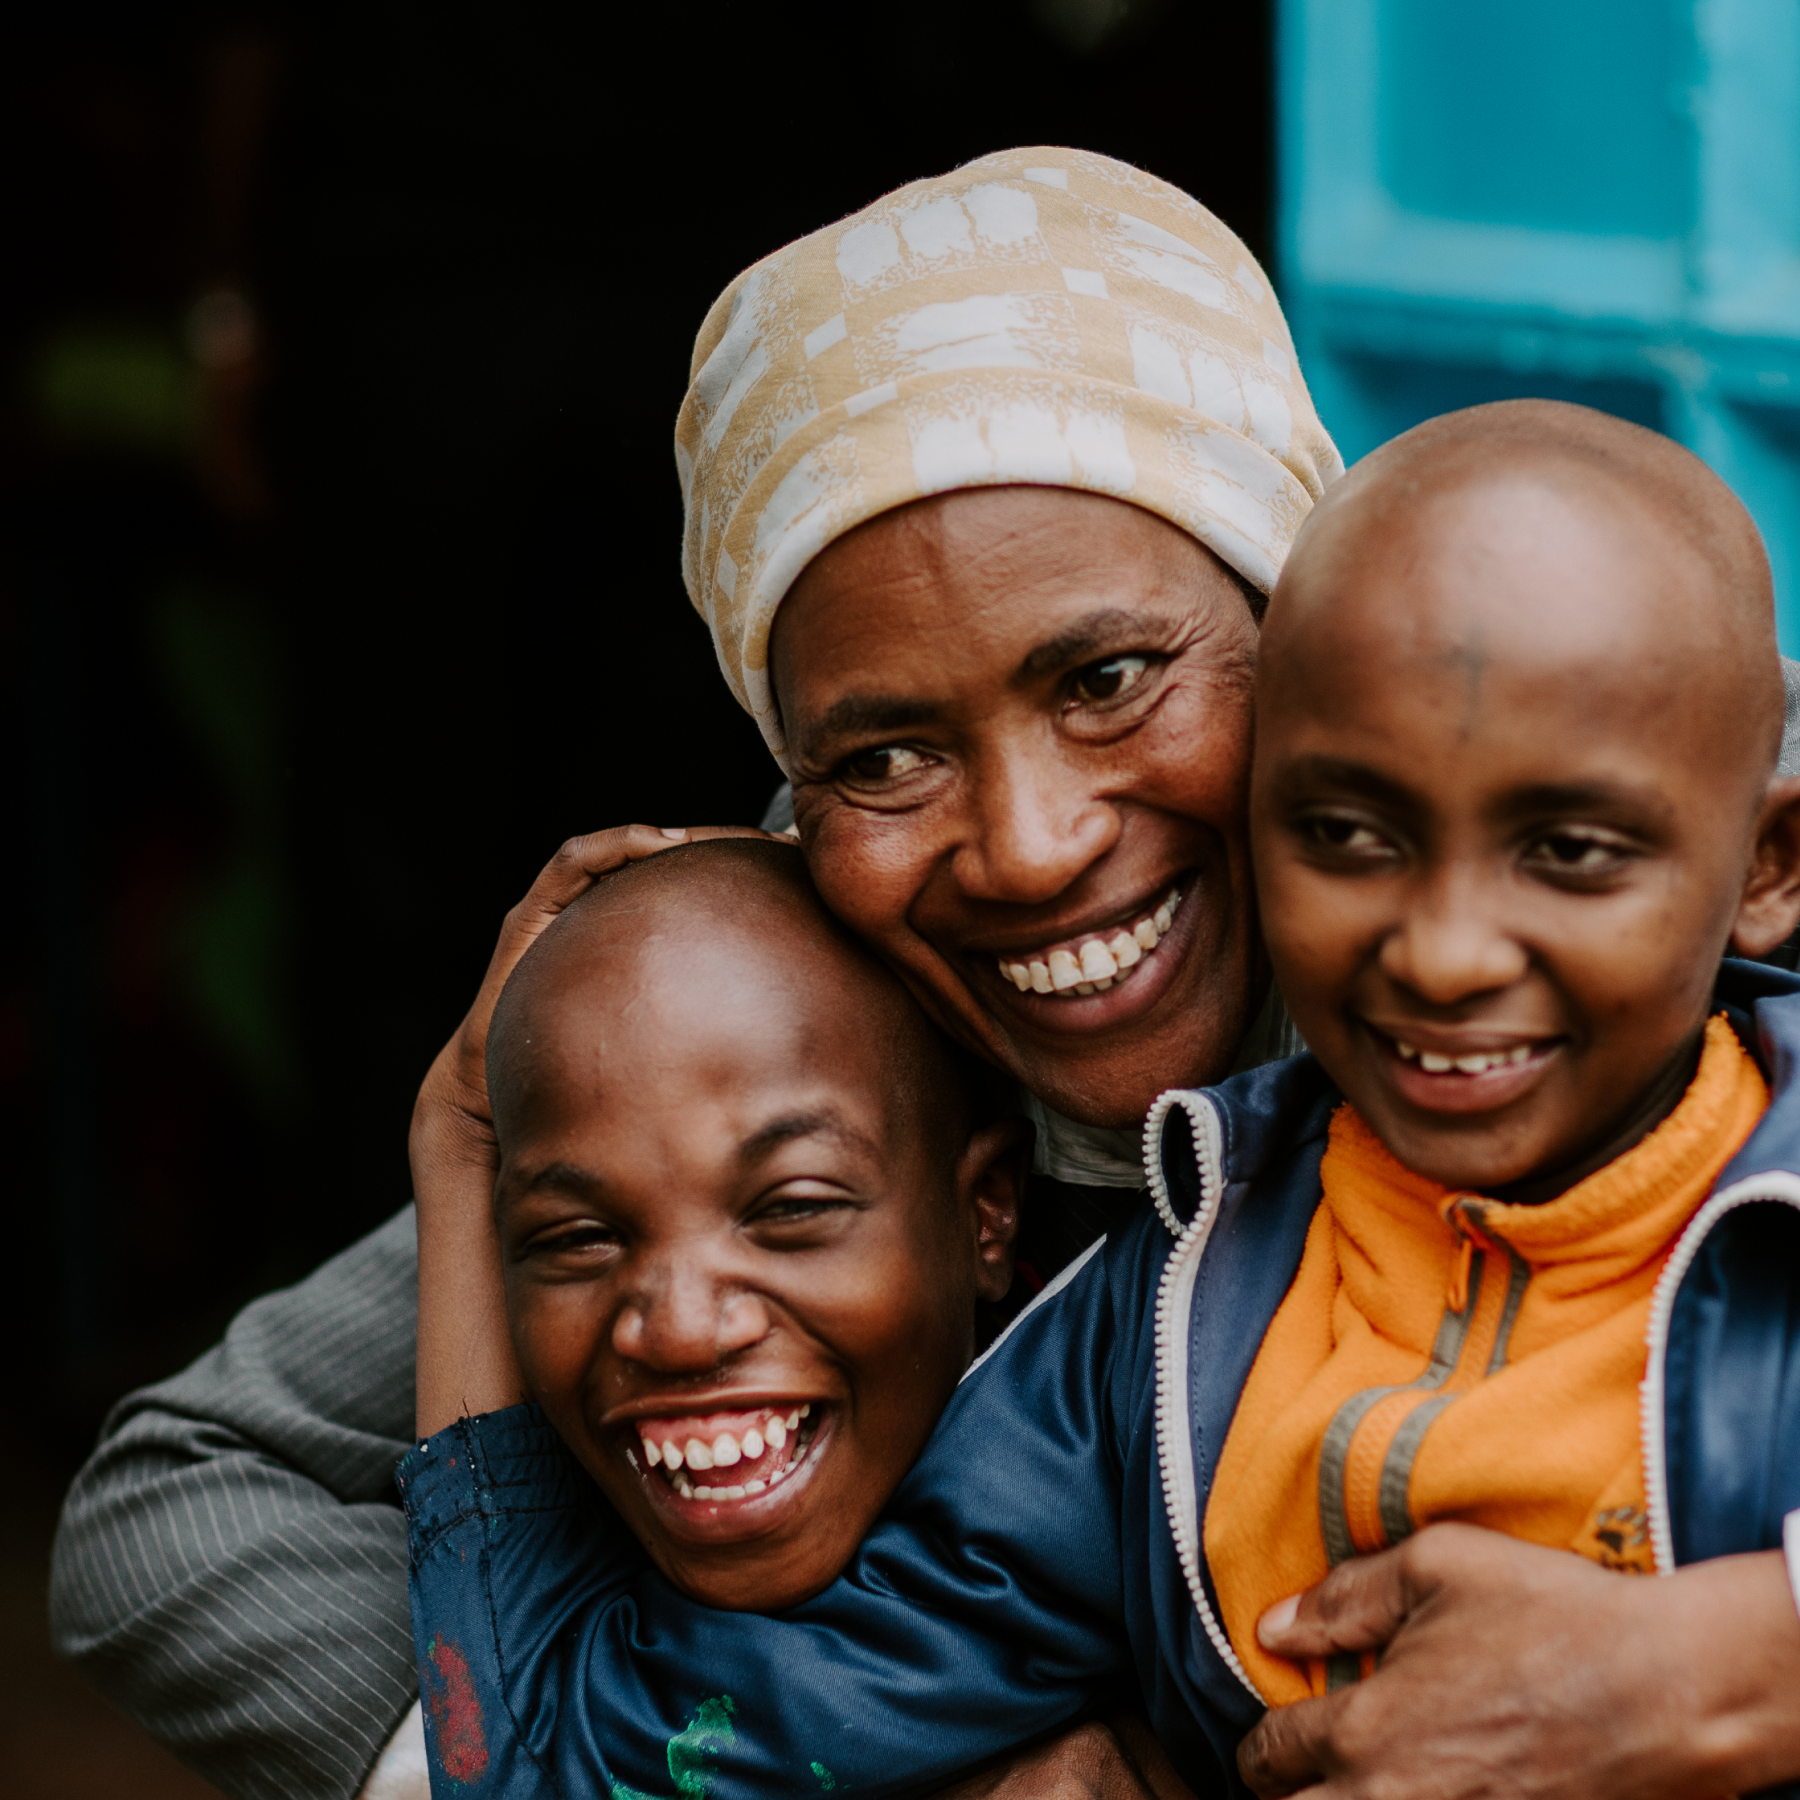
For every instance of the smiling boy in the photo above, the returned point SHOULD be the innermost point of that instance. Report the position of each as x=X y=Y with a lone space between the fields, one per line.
x=1518 y=1245
x=748 y=1204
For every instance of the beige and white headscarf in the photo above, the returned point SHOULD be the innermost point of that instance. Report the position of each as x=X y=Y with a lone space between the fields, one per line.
x=1038 y=316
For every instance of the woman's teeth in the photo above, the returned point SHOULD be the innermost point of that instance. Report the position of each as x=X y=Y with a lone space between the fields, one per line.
x=1096 y=963
x=680 y=1458
x=1477 y=1063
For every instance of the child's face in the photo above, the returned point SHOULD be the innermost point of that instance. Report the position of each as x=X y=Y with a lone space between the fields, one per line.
x=741 y=1271
x=1506 y=788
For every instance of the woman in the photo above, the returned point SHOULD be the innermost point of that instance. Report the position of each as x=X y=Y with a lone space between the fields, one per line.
x=983 y=487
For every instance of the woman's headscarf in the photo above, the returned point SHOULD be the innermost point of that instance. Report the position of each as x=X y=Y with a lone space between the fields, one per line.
x=1041 y=316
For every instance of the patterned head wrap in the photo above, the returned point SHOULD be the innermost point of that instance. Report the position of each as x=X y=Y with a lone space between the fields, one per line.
x=1040 y=316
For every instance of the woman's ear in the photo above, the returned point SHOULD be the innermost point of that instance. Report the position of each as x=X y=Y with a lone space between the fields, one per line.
x=1770 y=909
x=993 y=1179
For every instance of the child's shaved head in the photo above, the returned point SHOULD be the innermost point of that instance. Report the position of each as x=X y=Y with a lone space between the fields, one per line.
x=1700 y=631
x=735 y=907
x=1518 y=708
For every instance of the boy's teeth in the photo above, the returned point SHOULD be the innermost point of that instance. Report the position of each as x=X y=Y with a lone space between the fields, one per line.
x=776 y=1433
x=753 y=1444
x=1477 y=1062
x=1096 y=963
x=727 y=1449
x=672 y=1454
x=697 y=1454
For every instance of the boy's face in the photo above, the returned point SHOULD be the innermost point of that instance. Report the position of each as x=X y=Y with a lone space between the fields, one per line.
x=1504 y=799
x=741 y=1272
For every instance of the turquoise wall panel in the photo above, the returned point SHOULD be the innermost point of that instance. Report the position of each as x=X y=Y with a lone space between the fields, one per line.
x=1594 y=200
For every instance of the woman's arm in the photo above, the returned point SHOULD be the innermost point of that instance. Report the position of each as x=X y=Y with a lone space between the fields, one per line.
x=1516 y=1670
x=230 y=1568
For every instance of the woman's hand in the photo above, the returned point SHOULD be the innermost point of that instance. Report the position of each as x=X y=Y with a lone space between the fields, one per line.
x=1515 y=1670
x=465 y=1357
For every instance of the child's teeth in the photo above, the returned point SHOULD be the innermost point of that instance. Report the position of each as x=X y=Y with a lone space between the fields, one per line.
x=806 y=1410
x=753 y=1444
x=730 y=1493
x=703 y=1492
x=1407 y=1052
x=1431 y=1063
x=684 y=1487
x=671 y=1454
x=756 y=1487
x=725 y=1450
x=698 y=1456
x=793 y=1419
x=776 y=1435
x=1475 y=1065
x=652 y=1452
x=1520 y=1053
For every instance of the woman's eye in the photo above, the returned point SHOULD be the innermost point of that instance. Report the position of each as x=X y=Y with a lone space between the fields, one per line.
x=1110 y=680
x=1333 y=831
x=887 y=762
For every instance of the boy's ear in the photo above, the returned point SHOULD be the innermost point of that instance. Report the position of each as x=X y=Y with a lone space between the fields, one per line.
x=993 y=1178
x=1770 y=908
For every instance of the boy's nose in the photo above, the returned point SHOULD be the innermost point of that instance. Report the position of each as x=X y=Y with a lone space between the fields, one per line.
x=1447 y=947
x=685 y=1321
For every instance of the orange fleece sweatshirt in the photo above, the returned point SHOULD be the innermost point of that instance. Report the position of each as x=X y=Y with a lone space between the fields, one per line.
x=1442 y=1356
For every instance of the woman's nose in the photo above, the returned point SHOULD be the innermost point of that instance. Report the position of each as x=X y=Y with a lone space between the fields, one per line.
x=686 y=1320
x=1037 y=825
x=1448 y=947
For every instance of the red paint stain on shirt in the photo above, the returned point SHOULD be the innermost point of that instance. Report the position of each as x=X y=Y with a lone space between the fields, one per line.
x=455 y=1713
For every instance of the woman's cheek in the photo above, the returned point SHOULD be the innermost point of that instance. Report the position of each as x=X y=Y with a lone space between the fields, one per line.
x=862 y=865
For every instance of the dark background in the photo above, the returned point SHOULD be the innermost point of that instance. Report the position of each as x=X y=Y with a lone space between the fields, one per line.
x=339 y=571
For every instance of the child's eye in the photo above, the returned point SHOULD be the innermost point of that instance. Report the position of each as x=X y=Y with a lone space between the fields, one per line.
x=806 y=1205
x=1343 y=833
x=580 y=1239
x=1101 y=683
x=1578 y=852
x=884 y=763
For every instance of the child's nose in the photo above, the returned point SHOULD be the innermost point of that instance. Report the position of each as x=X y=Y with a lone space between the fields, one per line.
x=686 y=1322
x=1448 y=947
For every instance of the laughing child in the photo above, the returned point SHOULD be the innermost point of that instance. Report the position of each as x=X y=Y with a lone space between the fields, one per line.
x=1516 y=1245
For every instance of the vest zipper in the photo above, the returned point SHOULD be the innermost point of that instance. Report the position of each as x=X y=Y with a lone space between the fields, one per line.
x=1174 y=1300
x=1776 y=1185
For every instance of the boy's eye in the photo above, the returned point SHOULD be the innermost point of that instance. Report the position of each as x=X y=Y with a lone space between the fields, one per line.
x=806 y=1205
x=1578 y=852
x=886 y=762
x=1340 y=832
x=1103 y=682
x=584 y=1237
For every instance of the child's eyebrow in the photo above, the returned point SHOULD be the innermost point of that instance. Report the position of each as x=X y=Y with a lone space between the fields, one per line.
x=822 y=1122
x=1561 y=798
x=1352 y=777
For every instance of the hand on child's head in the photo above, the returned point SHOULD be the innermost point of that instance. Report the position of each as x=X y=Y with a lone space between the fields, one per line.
x=749 y=1199
x=1518 y=709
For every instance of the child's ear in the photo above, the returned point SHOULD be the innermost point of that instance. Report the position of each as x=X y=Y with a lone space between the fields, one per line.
x=1770 y=908
x=993 y=1174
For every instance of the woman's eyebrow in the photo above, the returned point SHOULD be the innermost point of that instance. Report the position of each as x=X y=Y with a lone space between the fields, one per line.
x=1092 y=635
x=858 y=714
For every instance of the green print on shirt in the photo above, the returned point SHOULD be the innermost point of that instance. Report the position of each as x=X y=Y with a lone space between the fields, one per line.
x=691 y=1751
x=708 y=1732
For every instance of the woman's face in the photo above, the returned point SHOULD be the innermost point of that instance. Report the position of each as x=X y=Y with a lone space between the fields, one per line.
x=1019 y=726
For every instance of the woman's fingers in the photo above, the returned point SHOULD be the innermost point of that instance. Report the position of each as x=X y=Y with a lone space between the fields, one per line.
x=1358 y=1606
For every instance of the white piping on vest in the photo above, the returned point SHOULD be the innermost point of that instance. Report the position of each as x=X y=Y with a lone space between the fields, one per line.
x=1775 y=1184
x=1174 y=1300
